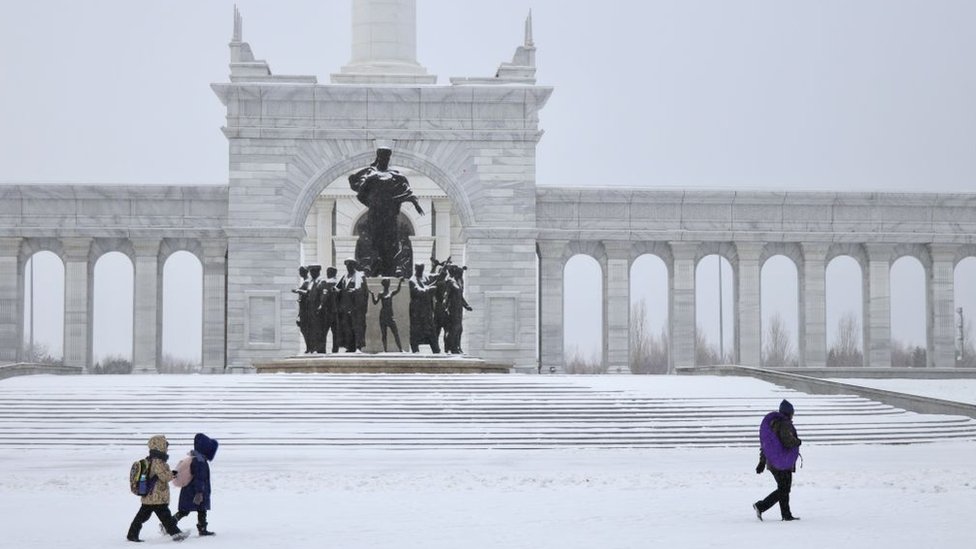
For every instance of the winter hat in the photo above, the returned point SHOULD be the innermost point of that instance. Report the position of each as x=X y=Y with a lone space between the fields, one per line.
x=205 y=446
x=158 y=443
x=786 y=408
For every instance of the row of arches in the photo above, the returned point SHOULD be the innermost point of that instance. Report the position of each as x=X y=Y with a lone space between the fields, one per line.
x=781 y=307
x=113 y=308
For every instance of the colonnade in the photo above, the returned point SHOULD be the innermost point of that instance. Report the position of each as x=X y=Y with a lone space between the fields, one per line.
x=747 y=259
x=79 y=255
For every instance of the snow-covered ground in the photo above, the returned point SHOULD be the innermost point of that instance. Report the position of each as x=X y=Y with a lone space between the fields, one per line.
x=892 y=497
x=959 y=390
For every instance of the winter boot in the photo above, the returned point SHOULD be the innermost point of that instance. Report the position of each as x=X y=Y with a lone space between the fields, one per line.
x=791 y=518
x=755 y=507
x=181 y=535
x=133 y=534
x=202 y=530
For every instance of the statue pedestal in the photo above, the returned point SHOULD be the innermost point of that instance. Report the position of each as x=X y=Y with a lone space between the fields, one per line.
x=382 y=363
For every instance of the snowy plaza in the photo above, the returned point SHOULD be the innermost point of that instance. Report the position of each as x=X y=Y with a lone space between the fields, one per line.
x=431 y=462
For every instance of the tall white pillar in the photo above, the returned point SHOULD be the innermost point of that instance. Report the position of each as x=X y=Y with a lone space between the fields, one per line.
x=616 y=299
x=552 y=265
x=748 y=315
x=682 y=292
x=442 y=228
x=877 y=342
x=77 y=303
x=11 y=301
x=941 y=307
x=323 y=231
x=214 y=306
x=813 y=306
x=384 y=45
x=145 y=320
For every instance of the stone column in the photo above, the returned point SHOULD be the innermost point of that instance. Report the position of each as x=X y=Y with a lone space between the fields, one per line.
x=551 y=266
x=384 y=44
x=616 y=299
x=77 y=303
x=145 y=320
x=748 y=306
x=214 y=306
x=681 y=288
x=941 y=323
x=877 y=321
x=345 y=247
x=442 y=228
x=11 y=301
x=310 y=244
x=324 y=233
x=812 y=338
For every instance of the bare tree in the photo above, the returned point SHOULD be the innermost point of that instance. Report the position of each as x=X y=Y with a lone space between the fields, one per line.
x=846 y=349
x=778 y=351
x=705 y=353
x=170 y=364
x=648 y=354
x=39 y=354
x=581 y=365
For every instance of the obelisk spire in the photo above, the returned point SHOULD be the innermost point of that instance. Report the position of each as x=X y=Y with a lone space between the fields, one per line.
x=384 y=45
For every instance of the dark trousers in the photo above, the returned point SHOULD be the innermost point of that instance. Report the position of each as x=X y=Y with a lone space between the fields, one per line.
x=784 y=481
x=146 y=511
x=201 y=517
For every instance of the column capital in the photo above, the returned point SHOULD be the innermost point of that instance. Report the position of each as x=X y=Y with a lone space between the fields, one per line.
x=146 y=247
x=684 y=249
x=214 y=250
x=76 y=248
x=943 y=252
x=552 y=249
x=617 y=249
x=813 y=251
x=749 y=251
x=879 y=251
x=10 y=246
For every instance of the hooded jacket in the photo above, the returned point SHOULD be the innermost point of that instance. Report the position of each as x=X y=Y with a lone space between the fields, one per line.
x=778 y=440
x=204 y=451
x=158 y=468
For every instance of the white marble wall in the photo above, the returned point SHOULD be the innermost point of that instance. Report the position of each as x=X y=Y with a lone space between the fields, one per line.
x=939 y=229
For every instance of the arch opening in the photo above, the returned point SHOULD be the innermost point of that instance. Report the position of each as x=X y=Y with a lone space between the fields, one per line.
x=112 y=314
x=908 y=313
x=779 y=305
x=583 y=316
x=43 y=308
x=714 y=311
x=844 y=312
x=649 y=352
x=182 y=314
x=965 y=312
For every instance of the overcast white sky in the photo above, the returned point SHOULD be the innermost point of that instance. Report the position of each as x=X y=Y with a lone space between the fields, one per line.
x=768 y=94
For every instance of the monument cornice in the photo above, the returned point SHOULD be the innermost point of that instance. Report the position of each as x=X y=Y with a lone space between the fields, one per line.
x=371 y=134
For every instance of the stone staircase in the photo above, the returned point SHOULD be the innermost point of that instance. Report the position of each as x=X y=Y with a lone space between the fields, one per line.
x=440 y=412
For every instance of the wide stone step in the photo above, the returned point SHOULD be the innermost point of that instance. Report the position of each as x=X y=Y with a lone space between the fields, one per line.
x=431 y=411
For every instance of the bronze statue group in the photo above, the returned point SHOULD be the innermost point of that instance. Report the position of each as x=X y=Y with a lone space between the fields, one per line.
x=338 y=305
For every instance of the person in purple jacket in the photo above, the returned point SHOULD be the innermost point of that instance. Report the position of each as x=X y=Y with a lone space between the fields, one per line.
x=195 y=496
x=778 y=452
